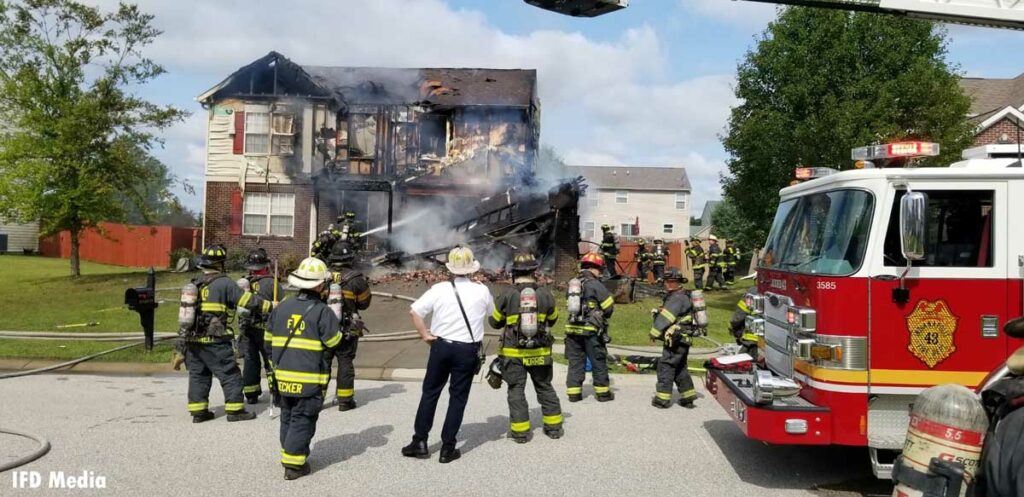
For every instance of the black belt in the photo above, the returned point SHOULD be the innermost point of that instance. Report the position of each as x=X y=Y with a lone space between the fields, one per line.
x=455 y=342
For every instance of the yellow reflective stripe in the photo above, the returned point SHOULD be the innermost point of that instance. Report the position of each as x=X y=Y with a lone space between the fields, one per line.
x=333 y=341
x=268 y=337
x=521 y=353
x=213 y=307
x=363 y=296
x=542 y=318
x=607 y=302
x=749 y=337
x=348 y=294
x=667 y=315
x=498 y=316
x=654 y=333
x=576 y=329
x=345 y=392
x=300 y=377
x=555 y=419
x=598 y=389
x=554 y=315
x=663 y=395
x=513 y=319
x=233 y=406
x=266 y=307
x=198 y=406
x=298 y=343
x=742 y=304
x=244 y=301
x=574 y=390
x=689 y=394
x=251 y=389
x=292 y=459
x=521 y=427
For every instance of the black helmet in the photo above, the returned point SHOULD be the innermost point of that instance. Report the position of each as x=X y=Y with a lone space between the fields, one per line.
x=673 y=274
x=212 y=257
x=341 y=254
x=524 y=263
x=257 y=259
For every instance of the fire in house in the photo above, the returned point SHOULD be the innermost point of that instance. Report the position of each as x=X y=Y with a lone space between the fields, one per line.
x=426 y=158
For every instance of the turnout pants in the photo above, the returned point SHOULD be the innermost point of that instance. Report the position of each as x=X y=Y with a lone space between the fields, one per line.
x=515 y=373
x=672 y=369
x=298 y=425
x=659 y=271
x=715 y=277
x=255 y=358
x=698 y=279
x=346 y=354
x=206 y=360
x=453 y=363
x=730 y=275
x=611 y=266
x=577 y=349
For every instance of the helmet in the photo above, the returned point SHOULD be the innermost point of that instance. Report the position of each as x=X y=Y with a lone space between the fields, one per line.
x=713 y=238
x=341 y=254
x=659 y=241
x=350 y=215
x=641 y=242
x=673 y=274
x=257 y=259
x=462 y=262
x=590 y=260
x=695 y=238
x=312 y=272
x=606 y=227
x=524 y=263
x=213 y=257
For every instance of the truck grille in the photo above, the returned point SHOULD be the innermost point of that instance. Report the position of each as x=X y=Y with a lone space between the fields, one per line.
x=776 y=335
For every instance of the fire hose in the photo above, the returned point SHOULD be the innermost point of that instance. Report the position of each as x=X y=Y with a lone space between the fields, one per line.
x=44 y=447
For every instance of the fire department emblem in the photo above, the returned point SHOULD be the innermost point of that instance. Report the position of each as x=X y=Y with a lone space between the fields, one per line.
x=931 y=327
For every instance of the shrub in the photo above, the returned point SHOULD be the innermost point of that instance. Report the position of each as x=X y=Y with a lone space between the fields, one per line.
x=178 y=253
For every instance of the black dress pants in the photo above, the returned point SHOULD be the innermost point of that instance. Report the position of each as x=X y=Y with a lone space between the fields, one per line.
x=452 y=363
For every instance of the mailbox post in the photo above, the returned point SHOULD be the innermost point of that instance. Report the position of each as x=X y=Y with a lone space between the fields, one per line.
x=143 y=301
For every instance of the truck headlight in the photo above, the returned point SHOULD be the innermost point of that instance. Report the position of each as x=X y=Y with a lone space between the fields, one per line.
x=754 y=325
x=754 y=302
x=767 y=387
x=802 y=318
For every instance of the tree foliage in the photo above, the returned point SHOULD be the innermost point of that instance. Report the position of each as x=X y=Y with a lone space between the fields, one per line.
x=730 y=224
x=72 y=127
x=822 y=82
x=153 y=202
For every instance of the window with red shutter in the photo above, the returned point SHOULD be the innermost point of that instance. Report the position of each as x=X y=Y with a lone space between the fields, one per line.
x=238 y=146
x=236 y=212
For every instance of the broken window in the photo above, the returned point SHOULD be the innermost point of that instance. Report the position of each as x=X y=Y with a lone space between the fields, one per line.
x=434 y=135
x=283 y=134
x=362 y=139
x=257 y=133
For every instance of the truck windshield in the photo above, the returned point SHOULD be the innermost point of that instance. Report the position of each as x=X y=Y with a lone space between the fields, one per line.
x=820 y=233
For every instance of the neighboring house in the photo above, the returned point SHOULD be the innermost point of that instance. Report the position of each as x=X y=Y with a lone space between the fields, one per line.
x=709 y=210
x=997 y=108
x=656 y=198
x=18 y=238
x=290 y=147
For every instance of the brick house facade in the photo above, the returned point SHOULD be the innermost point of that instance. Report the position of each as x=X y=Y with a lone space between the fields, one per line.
x=997 y=108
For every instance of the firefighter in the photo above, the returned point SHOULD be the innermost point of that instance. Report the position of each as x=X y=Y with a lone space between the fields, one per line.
x=737 y=325
x=590 y=306
x=674 y=326
x=698 y=261
x=609 y=250
x=355 y=296
x=732 y=258
x=252 y=327
x=658 y=258
x=303 y=332
x=526 y=348
x=717 y=263
x=208 y=341
x=1002 y=465
x=642 y=257
x=347 y=230
x=323 y=243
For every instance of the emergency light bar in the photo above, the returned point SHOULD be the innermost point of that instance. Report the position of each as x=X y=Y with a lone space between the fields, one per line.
x=805 y=173
x=895 y=151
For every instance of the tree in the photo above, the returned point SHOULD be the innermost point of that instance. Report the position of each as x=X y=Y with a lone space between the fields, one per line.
x=822 y=82
x=729 y=224
x=73 y=129
x=154 y=203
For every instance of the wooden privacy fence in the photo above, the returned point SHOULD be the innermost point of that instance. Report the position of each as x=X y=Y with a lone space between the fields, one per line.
x=124 y=244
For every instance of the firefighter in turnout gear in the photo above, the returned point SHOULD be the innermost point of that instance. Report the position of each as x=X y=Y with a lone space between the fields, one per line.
x=323 y=243
x=302 y=331
x=526 y=314
x=698 y=261
x=643 y=259
x=590 y=306
x=347 y=231
x=658 y=258
x=737 y=325
x=208 y=338
x=253 y=328
x=674 y=327
x=349 y=294
x=731 y=255
x=609 y=250
x=718 y=265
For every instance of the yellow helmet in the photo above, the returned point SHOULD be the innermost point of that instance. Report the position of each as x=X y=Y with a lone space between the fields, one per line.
x=312 y=272
x=461 y=261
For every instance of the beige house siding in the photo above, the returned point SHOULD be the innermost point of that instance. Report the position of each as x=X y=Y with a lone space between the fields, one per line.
x=20 y=236
x=654 y=208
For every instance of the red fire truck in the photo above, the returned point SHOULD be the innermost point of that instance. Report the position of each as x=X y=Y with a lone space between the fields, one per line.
x=876 y=283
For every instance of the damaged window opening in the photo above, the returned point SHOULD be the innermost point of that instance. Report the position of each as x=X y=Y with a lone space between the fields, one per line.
x=269 y=134
x=269 y=214
x=434 y=135
x=362 y=136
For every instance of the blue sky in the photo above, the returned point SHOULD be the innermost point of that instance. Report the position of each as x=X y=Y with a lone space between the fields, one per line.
x=650 y=85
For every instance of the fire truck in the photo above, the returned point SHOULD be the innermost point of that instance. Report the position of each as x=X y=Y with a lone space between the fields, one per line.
x=875 y=284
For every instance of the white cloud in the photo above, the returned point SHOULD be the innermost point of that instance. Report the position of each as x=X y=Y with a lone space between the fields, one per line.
x=742 y=13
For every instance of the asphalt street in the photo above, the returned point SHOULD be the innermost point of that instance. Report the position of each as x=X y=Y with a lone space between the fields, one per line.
x=135 y=432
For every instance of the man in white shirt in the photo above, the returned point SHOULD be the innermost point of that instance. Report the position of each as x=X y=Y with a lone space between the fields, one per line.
x=455 y=335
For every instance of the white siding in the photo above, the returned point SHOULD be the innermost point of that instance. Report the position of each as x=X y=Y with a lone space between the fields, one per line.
x=654 y=208
x=21 y=236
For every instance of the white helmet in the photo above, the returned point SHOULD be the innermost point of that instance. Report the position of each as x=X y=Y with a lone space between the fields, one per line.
x=312 y=272
x=462 y=262
x=713 y=238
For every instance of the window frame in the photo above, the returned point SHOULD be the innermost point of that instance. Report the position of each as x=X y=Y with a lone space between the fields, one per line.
x=668 y=228
x=622 y=197
x=271 y=134
x=269 y=214
x=592 y=230
x=685 y=201
x=893 y=214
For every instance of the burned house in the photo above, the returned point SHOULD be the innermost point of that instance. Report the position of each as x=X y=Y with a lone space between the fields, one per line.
x=290 y=147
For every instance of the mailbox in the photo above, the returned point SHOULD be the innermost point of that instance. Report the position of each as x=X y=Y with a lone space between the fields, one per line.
x=143 y=301
x=140 y=298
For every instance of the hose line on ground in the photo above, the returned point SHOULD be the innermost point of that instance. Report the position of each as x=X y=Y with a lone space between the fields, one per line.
x=44 y=447
x=62 y=365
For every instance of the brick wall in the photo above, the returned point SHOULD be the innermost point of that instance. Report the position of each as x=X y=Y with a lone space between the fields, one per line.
x=991 y=135
x=218 y=219
x=567 y=238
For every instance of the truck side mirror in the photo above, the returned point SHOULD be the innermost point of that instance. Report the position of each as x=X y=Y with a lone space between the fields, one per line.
x=913 y=225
